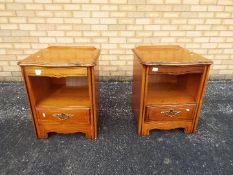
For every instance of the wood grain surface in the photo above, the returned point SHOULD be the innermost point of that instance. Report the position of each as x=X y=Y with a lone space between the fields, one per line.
x=60 y=83
x=58 y=56
x=168 y=55
x=168 y=93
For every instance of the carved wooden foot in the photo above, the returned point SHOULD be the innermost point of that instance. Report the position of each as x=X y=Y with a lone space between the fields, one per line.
x=188 y=130
x=145 y=132
x=42 y=134
x=90 y=135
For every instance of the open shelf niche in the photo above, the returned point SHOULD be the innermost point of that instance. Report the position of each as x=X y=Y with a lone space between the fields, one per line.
x=65 y=92
x=172 y=89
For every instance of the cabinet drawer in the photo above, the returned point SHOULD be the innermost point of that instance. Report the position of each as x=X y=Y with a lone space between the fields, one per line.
x=65 y=116
x=56 y=72
x=169 y=112
x=175 y=69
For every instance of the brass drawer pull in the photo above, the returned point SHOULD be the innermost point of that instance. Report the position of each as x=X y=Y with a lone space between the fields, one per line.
x=62 y=116
x=170 y=113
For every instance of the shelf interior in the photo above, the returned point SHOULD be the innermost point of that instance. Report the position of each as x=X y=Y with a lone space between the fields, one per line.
x=172 y=89
x=66 y=92
x=66 y=97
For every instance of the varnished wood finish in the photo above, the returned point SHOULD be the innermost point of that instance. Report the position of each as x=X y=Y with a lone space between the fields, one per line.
x=168 y=55
x=168 y=88
x=176 y=70
x=66 y=96
x=56 y=72
x=200 y=96
x=77 y=116
x=58 y=56
x=95 y=88
x=162 y=112
x=62 y=95
x=139 y=73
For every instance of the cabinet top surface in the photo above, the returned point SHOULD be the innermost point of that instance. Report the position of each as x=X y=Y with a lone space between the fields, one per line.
x=58 y=56
x=168 y=55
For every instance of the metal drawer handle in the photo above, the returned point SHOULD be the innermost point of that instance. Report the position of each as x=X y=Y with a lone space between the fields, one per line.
x=170 y=113
x=62 y=116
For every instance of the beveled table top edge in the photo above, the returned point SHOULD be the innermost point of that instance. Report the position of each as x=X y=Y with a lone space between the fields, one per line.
x=65 y=64
x=205 y=61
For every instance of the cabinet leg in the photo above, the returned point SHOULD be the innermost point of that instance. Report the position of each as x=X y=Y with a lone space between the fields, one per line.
x=42 y=134
x=194 y=129
x=139 y=131
x=188 y=130
x=145 y=132
x=90 y=135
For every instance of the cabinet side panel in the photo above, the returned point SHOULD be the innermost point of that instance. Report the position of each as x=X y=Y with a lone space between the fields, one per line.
x=191 y=84
x=138 y=91
x=32 y=110
x=96 y=82
x=201 y=96
x=91 y=87
x=96 y=95
x=40 y=87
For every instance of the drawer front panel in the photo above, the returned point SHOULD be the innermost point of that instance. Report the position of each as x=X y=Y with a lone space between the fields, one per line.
x=170 y=113
x=64 y=129
x=55 y=72
x=175 y=70
x=66 y=117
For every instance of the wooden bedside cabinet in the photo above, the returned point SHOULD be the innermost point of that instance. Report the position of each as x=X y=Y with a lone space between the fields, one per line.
x=61 y=88
x=168 y=88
